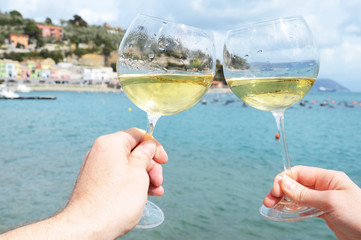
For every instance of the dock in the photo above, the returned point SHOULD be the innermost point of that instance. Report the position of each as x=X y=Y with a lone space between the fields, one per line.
x=29 y=98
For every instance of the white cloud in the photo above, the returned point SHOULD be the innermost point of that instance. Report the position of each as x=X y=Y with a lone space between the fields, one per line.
x=353 y=29
x=93 y=17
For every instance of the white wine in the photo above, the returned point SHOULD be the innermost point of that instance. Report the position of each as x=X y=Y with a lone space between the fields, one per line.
x=165 y=94
x=271 y=93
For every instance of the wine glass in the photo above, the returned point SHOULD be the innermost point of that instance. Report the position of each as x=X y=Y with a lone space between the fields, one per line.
x=272 y=65
x=164 y=68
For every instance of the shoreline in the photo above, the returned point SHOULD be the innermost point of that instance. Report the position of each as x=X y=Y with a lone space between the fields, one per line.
x=95 y=88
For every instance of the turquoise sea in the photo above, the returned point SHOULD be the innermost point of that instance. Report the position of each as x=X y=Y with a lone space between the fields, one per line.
x=222 y=159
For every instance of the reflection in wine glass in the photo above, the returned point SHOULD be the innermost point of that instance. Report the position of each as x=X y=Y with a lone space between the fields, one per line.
x=271 y=66
x=164 y=68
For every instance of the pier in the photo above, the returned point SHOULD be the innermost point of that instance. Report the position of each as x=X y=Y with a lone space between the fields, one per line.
x=29 y=98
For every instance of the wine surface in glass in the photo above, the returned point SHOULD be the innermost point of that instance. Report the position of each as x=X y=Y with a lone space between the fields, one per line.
x=271 y=94
x=165 y=94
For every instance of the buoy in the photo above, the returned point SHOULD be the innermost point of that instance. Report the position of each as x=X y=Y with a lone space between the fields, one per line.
x=130 y=109
x=354 y=102
x=333 y=101
x=277 y=136
x=314 y=101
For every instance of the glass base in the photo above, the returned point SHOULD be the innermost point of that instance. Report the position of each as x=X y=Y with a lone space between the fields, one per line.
x=152 y=216
x=289 y=211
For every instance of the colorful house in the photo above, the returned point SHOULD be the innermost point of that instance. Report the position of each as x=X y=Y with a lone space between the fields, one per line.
x=25 y=72
x=54 y=73
x=17 y=39
x=50 y=31
x=10 y=70
x=45 y=73
x=35 y=70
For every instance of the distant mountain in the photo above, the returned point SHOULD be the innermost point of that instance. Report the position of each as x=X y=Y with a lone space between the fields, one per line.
x=328 y=85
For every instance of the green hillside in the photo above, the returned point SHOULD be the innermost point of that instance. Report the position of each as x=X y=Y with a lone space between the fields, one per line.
x=80 y=37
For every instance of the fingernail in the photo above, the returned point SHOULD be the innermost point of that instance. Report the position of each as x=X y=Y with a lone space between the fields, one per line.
x=288 y=182
x=149 y=148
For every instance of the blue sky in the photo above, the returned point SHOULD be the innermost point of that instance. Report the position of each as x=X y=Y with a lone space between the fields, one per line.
x=336 y=24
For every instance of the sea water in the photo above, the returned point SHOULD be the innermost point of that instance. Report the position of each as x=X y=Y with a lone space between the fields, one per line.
x=222 y=159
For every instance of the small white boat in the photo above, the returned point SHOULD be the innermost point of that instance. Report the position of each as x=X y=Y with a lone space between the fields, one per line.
x=7 y=92
x=23 y=88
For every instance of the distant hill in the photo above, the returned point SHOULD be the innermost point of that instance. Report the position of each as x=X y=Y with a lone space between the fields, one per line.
x=328 y=85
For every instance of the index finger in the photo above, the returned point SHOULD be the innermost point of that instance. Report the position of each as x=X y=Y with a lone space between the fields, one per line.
x=129 y=138
x=136 y=136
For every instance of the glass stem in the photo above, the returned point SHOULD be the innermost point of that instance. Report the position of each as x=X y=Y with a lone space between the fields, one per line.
x=279 y=116
x=152 y=121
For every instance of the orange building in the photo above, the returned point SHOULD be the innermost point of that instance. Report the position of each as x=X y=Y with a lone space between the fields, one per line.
x=50 y=31
x=19 y=39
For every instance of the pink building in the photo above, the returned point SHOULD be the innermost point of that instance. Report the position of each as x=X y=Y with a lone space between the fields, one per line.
x=54 y=74
x=50 y=31
x=25 y=72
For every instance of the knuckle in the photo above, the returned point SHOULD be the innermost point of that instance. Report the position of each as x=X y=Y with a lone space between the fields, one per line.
x=101 y=143
x=341 y=174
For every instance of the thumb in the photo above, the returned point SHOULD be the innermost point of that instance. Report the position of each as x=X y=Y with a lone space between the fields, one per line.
x=142 y=154
x=301 y=194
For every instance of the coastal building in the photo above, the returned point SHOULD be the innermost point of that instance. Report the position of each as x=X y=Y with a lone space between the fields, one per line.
x=101 y=76
x=10 y=69
x=50 y=31
x=18 y=40
x=112 y=30
x=25 y=72
x=54 y=73
x=47 y=72
x=35 y=73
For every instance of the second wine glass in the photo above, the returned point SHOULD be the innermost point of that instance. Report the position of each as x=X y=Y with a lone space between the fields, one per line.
x=271 y=66
x=164 y=68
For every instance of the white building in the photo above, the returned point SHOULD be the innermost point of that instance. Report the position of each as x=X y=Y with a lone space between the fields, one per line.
x=45 y=73
x=98 y=75
x=10 y=70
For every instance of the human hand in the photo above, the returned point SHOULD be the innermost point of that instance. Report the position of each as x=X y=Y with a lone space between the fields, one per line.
x=113 y=182
x=330 y=191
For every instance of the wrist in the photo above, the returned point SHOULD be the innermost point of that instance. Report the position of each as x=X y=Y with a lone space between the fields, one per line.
x=80 y=224
x=89 y=221
x=60 y=226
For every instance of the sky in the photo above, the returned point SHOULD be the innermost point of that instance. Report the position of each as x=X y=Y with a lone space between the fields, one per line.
x=336 y=24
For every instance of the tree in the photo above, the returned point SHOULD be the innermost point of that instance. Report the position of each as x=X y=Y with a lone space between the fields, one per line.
x=15 y=14
x=32 y=30
x=74 y=39
x=78 y=21
x=48 y=21
x=219 y=72
x=16 y=17
x=107 y=49
x=113 y=65
x=40 y=42
x=19 y=45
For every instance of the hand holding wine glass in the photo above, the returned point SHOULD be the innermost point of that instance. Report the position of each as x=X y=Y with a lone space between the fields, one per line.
x=331 y=191
x=164 y=68
x=271 y=66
